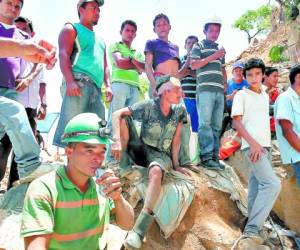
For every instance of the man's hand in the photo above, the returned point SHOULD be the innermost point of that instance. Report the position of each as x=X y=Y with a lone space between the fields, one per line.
x=42 y=112
x=112 y=187
x=109 y=94
x=73 y=89
x=116 y=150
x=219 y=54
x=182 y=170
x=231 y=96
x=22 y=84
x=41 y=52
x=256 y=152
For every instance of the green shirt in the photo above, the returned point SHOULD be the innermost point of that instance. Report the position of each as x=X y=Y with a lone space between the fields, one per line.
x=129 y=76
x=209 y=77
x=76 y=220
x=88 y=54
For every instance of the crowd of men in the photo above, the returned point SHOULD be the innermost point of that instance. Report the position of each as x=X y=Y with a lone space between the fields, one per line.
x=65 y=209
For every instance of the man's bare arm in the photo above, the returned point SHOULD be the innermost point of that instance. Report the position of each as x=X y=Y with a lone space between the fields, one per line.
x=124 y=214
x=29 y=50
x=122 y=62
x=224 y=73
x=289 y=134
x=66 y=41
x=199 y=63
x=176 y=142
x=37 y=242
x=109 y=93
x=116 y=146
x=149 y=70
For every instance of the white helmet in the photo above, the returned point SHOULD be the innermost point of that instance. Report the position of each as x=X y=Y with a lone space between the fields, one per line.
x=213 y=19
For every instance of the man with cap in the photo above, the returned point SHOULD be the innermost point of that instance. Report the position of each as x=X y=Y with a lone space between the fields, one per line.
x=84 y=67
x=208 y=60
x=236 y=83
x=66 y=209
x=157 y=148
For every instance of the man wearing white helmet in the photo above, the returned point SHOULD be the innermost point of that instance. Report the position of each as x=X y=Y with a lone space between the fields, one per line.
x=208 y=61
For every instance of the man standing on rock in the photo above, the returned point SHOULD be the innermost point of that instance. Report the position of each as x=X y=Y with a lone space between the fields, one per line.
x=208 y=60
x=84 y=67
x=250 y=114
x=287 y=115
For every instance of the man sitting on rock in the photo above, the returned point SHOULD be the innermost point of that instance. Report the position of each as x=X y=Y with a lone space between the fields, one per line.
x=157 y=148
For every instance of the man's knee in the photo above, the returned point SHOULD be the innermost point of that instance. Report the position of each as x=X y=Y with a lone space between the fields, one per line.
x=155 y=173
x=276 y=186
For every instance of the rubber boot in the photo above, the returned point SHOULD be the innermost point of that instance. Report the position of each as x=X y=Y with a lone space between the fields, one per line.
x=135 y=237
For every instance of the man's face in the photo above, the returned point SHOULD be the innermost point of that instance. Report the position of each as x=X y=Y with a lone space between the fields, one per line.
x=162 y=27
x=10 y=10
x=174 y=95
x=237 y=74
x=254 y=77
x=212 y=32
x=128 y=33
x=297 y=80
x=85 y=158
x=24 y=27
x=91 y=12
x=272 y=79
x=189 y=44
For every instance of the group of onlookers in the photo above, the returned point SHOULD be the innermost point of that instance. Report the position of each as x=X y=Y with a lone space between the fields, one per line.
x=186 y=94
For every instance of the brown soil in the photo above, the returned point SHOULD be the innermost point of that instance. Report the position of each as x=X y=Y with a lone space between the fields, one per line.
x=213 y=221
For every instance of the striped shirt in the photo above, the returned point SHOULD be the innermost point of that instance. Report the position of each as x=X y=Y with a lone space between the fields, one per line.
x=188 y=83
x=209 y=77
x=76 y=220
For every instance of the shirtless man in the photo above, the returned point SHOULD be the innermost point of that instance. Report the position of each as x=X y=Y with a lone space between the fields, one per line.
x=162 y=56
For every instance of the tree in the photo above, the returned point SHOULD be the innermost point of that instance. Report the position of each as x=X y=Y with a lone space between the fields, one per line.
x=255 y=22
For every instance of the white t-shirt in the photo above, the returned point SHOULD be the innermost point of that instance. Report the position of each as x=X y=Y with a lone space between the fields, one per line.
x=30 y=97
x=254 y=107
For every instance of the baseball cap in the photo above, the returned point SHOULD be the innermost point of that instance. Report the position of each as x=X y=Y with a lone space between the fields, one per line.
x=81 y=2
x=238 y=65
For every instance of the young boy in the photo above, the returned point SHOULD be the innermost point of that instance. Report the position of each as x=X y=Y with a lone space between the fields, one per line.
x=189 y=82
x=250 y=114
x=162 y=56
x=271 y=87
x=208 y=61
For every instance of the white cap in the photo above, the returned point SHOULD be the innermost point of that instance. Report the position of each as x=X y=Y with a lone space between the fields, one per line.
x=213 y=19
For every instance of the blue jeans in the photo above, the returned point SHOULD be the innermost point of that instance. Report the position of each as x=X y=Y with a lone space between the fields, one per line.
x=124 y=95
x=263 y=188
x=14 y=122
x=191 y=108
x=89 y=101
x=210 y=107
x=296 y=167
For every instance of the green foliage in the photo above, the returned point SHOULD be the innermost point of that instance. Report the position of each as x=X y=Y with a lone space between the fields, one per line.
x=255 y=22
x=276 y=54
x=143 y=86
x=290 y=9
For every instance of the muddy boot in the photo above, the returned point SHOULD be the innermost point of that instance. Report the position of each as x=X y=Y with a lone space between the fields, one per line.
x=135 y=237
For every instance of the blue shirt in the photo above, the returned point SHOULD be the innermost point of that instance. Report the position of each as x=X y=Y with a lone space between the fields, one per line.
x=287 y=107
x=235 y=86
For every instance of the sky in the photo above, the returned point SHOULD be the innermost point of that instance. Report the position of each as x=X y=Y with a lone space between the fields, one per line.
x=186 y=17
